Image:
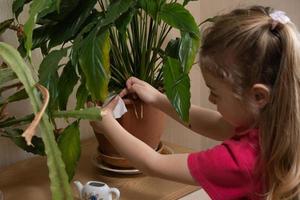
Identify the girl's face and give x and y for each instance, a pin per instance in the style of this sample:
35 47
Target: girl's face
228 105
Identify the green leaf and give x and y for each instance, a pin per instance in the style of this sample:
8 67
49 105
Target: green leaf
172 49
114 11
59 185
185 2
123 21
177 87
69 144
48 74
5 25
151 7
35 7
94 62
66 83
86 113
18 6
187 52
16 136
6 74
79 40
81 95
59 11
41 35
65 30
58 5
20 95
177 16
20 121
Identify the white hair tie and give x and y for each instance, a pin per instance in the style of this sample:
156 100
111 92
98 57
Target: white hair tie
280 16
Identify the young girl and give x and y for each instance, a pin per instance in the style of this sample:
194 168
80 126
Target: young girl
250 61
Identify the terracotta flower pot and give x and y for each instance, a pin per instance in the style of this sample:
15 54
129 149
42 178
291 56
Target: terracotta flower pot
143 121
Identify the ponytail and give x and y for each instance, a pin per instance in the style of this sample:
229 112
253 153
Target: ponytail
280 124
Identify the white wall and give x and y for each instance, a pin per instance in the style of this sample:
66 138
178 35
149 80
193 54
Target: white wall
201 9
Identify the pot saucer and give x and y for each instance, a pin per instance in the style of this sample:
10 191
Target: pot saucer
98 162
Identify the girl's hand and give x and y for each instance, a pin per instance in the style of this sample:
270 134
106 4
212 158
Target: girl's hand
103 125
142 90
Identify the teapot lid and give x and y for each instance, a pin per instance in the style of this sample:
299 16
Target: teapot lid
96 184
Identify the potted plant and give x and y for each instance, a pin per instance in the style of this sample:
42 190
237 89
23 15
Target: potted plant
137 40
103 43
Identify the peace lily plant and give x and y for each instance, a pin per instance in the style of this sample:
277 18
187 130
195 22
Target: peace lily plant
98 45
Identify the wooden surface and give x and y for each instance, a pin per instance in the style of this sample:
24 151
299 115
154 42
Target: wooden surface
28 179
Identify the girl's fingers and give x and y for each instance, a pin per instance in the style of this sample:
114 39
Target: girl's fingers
133 80
111 105
123 93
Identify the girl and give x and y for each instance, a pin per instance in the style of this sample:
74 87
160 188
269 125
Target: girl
250 61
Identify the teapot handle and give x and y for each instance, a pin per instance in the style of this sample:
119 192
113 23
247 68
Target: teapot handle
116 192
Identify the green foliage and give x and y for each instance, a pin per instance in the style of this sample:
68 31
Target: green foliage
175 84
98 49
5 25
94 62
16 136
69 144
59 184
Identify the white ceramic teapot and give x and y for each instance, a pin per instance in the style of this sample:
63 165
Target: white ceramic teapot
95 190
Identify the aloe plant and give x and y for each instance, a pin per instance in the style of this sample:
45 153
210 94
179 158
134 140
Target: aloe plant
98 45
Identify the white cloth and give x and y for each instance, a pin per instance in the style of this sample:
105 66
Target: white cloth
120 109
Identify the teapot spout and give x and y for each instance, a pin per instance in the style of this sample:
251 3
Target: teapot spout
79 187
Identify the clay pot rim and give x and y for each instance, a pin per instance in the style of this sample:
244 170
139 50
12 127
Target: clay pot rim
159 149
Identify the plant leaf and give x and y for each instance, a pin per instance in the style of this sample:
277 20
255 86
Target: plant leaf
20 121
59 185
66 83
59 11
5 25
177 16
177 87
94 62
151 7
81 95
185 2
6 74
123 21
19 95
69 144
16 136
187 52
35 7
18 5
48 75
65 30
115 10
172 49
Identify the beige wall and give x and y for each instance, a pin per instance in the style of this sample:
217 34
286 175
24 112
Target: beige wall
201 9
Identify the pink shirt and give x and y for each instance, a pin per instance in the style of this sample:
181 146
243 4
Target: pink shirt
228 171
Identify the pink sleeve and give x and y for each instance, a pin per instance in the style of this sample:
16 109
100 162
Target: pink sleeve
223 172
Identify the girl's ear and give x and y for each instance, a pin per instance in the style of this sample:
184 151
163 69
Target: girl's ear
260 94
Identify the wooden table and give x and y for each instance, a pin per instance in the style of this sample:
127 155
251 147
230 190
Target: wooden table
28 179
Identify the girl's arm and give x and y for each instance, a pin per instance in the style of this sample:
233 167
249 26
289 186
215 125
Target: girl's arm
173 167
202 121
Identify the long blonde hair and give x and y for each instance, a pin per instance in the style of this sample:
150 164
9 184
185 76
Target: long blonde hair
245 47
